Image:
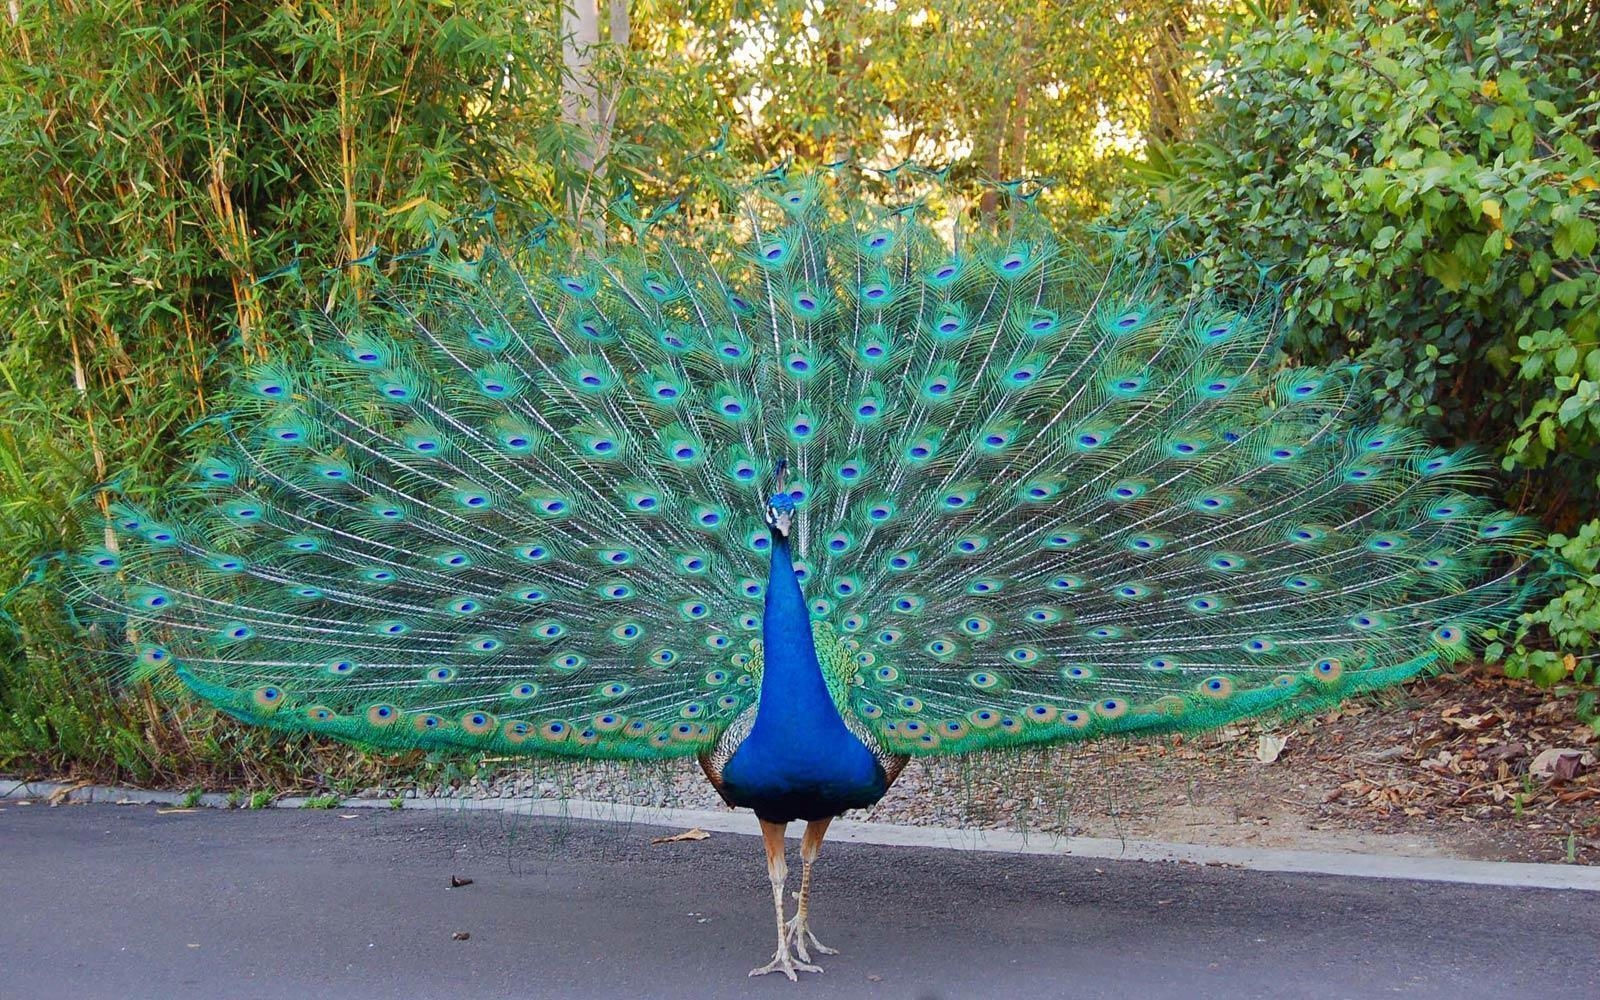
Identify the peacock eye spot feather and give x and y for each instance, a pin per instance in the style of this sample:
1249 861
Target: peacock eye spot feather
396 455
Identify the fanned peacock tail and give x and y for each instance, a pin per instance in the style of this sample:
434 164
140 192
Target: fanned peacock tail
515 504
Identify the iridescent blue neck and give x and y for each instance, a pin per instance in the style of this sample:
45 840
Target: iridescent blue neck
793 692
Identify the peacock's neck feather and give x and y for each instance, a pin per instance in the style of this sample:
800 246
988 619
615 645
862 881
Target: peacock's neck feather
794 690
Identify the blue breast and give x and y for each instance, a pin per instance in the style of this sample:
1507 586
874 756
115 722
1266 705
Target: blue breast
799 760
815 771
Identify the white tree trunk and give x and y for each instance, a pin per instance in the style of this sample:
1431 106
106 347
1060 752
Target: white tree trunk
621 29
580 99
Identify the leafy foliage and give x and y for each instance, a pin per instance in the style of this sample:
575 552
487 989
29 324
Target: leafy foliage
1431 170
993 88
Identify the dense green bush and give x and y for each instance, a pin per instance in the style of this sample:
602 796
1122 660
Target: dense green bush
1430 173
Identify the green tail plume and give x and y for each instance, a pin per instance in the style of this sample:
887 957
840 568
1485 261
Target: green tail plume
516 504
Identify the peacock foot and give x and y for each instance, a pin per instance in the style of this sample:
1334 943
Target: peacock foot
783 962
803 940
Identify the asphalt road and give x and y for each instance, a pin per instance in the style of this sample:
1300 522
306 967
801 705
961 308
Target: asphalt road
128 902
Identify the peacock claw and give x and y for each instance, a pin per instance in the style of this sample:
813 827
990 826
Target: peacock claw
784 963
803 940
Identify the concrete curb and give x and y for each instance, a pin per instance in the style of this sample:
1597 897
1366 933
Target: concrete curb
1506 873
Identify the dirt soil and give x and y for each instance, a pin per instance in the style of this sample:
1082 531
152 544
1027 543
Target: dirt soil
1466 765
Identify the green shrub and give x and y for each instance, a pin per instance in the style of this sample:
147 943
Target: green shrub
1431 169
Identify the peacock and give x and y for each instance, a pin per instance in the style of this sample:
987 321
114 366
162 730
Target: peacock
803 489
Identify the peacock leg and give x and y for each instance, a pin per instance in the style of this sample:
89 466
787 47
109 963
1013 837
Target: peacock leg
800 928
777 871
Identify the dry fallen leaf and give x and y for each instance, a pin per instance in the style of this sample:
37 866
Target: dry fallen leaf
694 834
457 881
64 793
1268 747
1564 763
460 936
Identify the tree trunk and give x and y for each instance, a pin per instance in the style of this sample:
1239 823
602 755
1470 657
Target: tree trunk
621 28
580 103
1018 146
620 35
1169 99
992 142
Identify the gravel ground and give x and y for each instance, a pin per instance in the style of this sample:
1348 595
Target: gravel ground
1150 790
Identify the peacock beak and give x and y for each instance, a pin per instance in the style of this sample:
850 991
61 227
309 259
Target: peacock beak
780 521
